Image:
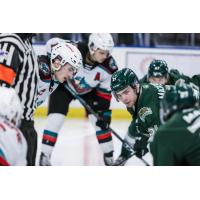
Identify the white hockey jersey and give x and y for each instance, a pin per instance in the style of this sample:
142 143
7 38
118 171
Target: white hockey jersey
45 88
46 83
91 76
13 146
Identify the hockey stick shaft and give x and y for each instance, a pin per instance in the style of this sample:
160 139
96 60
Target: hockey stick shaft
82 101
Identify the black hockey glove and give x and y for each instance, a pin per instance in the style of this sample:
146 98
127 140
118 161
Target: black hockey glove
140 146
105 119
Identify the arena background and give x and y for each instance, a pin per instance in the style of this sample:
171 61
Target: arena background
136 50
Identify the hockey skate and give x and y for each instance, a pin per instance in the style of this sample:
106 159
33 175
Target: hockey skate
108 161
44 160
120 161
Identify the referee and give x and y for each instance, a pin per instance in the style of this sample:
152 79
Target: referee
19 69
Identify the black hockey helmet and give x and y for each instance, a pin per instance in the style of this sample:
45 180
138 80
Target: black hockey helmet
158 68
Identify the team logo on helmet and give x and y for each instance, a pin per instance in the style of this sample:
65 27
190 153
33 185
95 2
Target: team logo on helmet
158 68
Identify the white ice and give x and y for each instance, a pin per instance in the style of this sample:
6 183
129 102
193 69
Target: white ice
77 144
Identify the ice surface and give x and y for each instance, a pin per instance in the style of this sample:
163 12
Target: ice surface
77 144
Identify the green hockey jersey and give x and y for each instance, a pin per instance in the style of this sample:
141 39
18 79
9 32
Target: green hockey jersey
146 112
177 142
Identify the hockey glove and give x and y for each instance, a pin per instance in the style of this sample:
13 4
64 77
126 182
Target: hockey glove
140 146
105 119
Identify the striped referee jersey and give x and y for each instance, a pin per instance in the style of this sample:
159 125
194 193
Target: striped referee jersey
19 69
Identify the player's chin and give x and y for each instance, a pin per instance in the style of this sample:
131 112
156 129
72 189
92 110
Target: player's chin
101 60
129 105
62 80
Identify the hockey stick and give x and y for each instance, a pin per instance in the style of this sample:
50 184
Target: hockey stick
99 118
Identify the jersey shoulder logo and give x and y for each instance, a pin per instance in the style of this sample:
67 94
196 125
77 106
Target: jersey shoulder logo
143 112
3 53
44 68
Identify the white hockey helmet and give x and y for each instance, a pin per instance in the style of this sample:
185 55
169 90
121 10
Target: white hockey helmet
51 43
10 105
103 41
64 53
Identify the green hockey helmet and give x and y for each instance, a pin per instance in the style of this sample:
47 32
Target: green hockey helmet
122 79
176 98
158 68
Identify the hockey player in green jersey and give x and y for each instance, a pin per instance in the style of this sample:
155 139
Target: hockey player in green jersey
142 101
159 73
177 142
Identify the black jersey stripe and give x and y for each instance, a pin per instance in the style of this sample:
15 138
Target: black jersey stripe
15 40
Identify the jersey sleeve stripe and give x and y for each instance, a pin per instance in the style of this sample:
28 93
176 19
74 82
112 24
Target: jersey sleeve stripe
49 138
7 74
104 136
3 161
104 95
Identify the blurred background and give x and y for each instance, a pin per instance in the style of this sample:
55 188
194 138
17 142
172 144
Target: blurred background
183 40
181 51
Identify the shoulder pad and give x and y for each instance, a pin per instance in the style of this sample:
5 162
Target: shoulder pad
145 86
156 89
174 71
110 65
44 67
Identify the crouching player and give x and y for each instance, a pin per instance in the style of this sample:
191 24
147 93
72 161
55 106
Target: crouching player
142 101
177 140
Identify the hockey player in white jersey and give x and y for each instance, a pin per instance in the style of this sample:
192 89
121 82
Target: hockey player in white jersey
13 146
92 83
65 61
